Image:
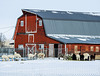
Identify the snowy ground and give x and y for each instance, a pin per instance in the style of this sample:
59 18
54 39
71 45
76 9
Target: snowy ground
50 67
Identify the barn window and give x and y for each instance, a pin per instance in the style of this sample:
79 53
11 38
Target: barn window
97 49
41 46
22 23
86 48
40 22
91 48
20 46
75 48
30 38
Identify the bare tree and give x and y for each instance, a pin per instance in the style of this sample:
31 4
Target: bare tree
2 40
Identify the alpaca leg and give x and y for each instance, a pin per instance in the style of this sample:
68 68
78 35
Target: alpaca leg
42 56
3 59
12 59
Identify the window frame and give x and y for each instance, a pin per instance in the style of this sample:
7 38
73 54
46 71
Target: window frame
20 46
75 48
92 48
97 49
21 23
42 46
40 22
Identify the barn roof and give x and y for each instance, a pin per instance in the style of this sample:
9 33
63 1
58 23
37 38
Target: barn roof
75 38
65 15
70 27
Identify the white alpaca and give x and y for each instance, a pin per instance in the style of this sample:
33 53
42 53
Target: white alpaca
11 56
5 58
31 55
86 56
41 55
77 56
16 55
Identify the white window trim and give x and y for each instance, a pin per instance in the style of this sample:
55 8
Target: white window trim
39 22
75 48
26 25
29 36
41 44
21 23
97 47
92 48
20 46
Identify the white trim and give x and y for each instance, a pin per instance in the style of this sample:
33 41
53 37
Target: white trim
26 45
21 23
16 30
31 32
36 23
26 25
20 46
30 35
41 47
40 21
25 22
29 44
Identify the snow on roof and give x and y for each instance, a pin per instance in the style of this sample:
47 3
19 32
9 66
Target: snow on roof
75 38
63 15
54 12
80 36
92 13
82 39
69 12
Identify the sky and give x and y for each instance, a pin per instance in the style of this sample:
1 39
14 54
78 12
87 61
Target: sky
10 10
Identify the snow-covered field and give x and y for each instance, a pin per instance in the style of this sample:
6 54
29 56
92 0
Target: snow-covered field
50 67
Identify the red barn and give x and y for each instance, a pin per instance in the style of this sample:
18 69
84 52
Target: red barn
54 32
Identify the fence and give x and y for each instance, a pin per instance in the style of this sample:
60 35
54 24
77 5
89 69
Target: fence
54 52
25 51
6 51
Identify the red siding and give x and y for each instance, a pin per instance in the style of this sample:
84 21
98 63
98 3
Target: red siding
83 48
31 23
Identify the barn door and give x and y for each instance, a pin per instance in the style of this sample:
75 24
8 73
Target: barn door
56 50
30 48
51 50
59 49
31 26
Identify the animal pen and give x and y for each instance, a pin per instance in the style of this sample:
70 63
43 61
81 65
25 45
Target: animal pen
6 51
25 51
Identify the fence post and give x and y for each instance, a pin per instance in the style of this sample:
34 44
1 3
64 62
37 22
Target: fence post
23 52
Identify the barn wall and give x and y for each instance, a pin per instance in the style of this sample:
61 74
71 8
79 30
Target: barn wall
83 48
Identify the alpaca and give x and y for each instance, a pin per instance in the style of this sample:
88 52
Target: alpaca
77 57
41 55
86 56
16 55
31 55
5 58
11 56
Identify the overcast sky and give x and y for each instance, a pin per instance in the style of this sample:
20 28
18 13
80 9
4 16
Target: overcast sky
10 10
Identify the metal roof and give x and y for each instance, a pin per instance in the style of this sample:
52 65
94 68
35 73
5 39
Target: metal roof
72 39
64 15
72 27
74 31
